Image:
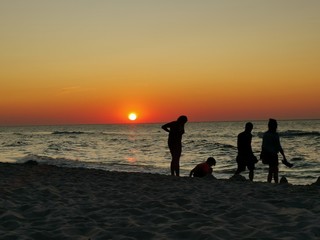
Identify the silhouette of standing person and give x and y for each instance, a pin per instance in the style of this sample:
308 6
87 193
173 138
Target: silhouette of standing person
175 130
270 148
245 157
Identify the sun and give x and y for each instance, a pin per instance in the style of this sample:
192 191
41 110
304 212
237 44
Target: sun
132 116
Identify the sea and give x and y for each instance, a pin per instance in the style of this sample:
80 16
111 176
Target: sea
143 147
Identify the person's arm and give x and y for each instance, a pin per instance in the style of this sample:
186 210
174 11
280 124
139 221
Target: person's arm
166 127
280 149
238 142
285 161
250 148
283 155
191 173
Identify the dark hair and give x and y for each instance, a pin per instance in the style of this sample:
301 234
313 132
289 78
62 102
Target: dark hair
249 125
272 124
183 119
211 161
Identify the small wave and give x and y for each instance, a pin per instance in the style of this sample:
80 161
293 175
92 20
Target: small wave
18 134
16 144
295 133
67 132
54 147
224 145
65 162
61 162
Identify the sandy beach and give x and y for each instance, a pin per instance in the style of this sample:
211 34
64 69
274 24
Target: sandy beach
48 202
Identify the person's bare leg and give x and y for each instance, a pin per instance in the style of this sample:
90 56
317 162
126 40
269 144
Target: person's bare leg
177 171
172 168
251 175
175 165
175 168
276 175
270 174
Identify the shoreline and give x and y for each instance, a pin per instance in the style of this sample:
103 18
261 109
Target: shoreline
45 201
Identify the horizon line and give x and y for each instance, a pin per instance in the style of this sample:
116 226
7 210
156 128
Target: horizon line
145 123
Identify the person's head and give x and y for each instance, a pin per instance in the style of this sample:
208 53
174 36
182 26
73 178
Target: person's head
211 161
272 125
249 127
182 119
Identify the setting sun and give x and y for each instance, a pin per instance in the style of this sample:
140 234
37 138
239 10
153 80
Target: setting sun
228 74
132 116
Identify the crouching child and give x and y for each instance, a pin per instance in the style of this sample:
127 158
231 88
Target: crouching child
203 169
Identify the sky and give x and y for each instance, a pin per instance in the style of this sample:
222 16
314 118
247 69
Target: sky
94 62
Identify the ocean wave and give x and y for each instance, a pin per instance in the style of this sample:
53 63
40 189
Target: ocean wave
294 133
61 162
16 144
224 145
18 134
68 132
297 133
74 163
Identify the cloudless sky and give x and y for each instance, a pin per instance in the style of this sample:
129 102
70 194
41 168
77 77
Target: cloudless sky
94 61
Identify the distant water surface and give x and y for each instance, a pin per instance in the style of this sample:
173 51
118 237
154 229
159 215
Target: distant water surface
143 147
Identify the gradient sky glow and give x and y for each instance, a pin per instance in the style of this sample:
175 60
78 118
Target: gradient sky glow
81 61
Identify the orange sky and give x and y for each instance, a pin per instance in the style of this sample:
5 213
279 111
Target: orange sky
70 62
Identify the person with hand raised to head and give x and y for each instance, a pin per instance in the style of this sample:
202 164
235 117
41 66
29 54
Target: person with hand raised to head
175 130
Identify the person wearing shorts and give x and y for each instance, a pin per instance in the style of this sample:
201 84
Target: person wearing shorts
270 148
245 158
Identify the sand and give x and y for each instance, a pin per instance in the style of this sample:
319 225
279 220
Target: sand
48 202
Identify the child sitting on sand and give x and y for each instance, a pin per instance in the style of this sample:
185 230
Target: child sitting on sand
203 169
